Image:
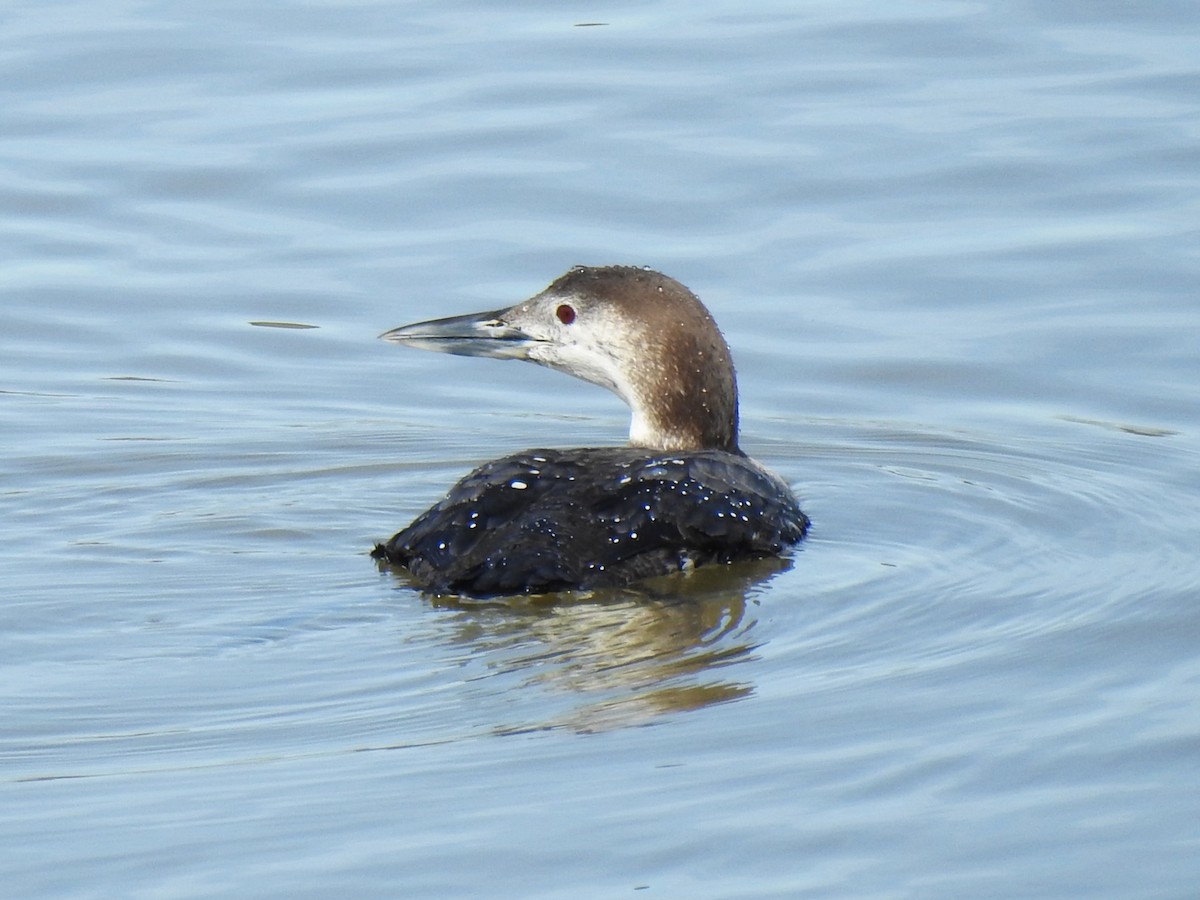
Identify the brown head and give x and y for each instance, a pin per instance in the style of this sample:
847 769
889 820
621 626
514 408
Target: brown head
638 333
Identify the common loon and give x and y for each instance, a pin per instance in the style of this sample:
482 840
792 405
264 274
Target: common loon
680 494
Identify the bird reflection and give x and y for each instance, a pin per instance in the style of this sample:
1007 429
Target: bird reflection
619 657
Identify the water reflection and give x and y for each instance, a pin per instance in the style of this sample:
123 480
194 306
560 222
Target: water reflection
634 654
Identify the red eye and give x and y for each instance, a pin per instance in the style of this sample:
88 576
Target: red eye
566 314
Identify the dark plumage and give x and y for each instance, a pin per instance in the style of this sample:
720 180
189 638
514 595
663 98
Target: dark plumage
552 520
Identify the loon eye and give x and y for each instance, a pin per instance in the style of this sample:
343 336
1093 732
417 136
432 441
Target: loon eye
566 314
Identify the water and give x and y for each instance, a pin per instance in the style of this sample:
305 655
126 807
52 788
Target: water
953 246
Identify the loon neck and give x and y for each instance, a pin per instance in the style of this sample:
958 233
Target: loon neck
651 435
682 392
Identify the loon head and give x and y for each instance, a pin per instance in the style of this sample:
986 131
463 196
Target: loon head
638 333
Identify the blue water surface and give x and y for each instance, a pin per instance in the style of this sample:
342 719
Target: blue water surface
954 247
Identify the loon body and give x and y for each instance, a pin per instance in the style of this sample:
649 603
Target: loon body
681 494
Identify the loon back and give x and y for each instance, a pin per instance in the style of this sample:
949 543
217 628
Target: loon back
551 520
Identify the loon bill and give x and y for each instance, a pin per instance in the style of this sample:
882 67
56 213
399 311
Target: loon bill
680 494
